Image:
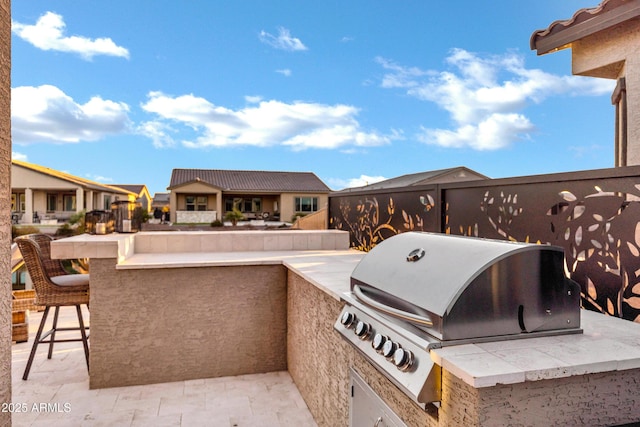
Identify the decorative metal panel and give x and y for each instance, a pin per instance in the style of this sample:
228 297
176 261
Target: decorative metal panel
373 218
594 217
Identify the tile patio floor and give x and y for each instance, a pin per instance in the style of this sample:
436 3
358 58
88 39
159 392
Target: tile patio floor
260 400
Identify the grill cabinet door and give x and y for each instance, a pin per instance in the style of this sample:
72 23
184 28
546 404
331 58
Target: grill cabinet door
367 409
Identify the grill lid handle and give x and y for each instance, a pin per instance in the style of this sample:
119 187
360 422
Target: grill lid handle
416 255
423 320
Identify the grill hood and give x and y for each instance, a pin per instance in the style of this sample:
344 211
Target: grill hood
464 288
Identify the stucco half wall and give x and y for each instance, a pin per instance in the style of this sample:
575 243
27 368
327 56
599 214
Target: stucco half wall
228 321
5 207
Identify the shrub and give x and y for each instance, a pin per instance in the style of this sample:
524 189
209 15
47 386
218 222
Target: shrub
217 223
22 231
74 226
65 230
234 216
141 215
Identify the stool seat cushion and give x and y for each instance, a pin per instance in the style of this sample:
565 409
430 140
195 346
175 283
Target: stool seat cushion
71 280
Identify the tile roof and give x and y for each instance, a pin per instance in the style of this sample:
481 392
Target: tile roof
161 197
255 181
134 188
420 178
93 185
561 33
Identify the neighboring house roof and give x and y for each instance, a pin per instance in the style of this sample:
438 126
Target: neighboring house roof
560 34
250 181
160 199
133 188
456 174
91 185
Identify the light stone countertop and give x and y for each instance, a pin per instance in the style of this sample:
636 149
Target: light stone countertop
607 344
328 270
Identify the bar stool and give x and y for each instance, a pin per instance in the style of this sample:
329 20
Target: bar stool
54 288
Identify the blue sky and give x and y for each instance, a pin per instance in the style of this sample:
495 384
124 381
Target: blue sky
122 92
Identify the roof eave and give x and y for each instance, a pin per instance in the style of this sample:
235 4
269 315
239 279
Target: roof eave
560 34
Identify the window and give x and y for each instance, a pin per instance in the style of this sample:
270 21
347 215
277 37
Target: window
18 279
52 202
17 202
306 204
196 203
245 204
256 204
69 202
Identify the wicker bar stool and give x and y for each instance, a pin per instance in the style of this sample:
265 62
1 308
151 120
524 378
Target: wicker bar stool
54 288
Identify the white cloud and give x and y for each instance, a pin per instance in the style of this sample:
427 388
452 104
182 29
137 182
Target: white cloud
99 178
299 125
285 72
18 156
158 132
283 40
484 96
47 114
253 99
48 34
364 180
361 181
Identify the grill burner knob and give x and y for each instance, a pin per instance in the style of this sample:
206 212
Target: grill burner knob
362 330
347 319
389 348
403 359
378 342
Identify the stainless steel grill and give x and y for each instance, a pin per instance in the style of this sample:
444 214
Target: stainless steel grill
419 291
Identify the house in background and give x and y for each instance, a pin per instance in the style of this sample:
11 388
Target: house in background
144 197
204 195
440 176
604 43
44 195
160 200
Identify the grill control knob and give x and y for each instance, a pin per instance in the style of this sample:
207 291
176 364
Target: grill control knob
403 359
378 342
362 330
347 319
389 348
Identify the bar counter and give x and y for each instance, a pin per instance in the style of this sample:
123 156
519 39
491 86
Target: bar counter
168 306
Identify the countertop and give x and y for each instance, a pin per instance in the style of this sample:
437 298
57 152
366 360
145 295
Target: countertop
607 344
328 270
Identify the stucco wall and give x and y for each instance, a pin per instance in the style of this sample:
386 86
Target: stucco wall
287 203
612 54
25 178
228 320
604 399
5 207
319 361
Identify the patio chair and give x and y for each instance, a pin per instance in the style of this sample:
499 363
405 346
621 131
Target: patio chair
54 288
